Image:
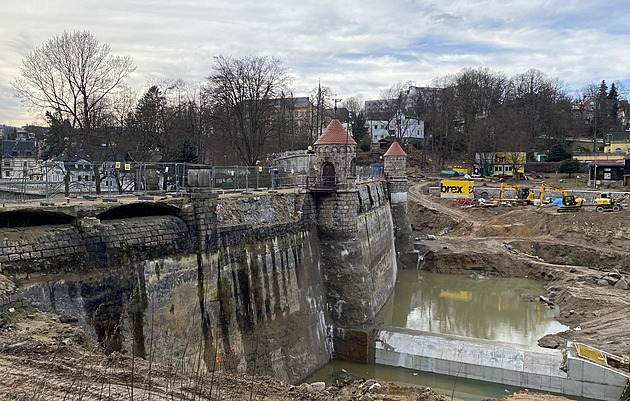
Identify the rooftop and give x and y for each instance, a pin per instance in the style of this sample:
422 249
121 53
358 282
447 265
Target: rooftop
335 134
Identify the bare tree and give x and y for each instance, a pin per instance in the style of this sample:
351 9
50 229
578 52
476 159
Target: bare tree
243 92
321 99
70 76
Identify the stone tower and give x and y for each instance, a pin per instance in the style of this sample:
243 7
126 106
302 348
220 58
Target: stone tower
335 157
335 176
395 169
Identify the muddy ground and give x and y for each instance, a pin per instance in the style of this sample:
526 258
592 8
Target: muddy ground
581 257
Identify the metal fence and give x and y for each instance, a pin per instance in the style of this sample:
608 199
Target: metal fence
144 178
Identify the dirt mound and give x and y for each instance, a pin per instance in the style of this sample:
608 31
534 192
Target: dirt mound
495 228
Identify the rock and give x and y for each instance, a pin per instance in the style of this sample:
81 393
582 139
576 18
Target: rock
611 280
548 342
321 386
614 275
573 270
621 285
602 282
545 300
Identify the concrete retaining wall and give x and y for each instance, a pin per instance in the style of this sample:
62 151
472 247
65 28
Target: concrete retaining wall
511 364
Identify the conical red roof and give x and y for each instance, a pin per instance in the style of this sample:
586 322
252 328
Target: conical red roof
395 150
335 134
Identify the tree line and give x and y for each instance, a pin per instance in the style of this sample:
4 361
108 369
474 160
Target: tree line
245 109
242 112
480 111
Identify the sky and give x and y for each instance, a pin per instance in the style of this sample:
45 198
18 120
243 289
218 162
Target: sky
354 47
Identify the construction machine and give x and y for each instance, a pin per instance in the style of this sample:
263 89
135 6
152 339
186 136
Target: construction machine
524 196
569 202
605 203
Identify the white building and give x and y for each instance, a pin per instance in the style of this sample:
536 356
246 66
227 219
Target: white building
378 130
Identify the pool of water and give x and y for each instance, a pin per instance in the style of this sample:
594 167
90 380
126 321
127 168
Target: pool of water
464 389
493 309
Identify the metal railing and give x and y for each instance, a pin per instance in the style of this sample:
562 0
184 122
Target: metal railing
144 178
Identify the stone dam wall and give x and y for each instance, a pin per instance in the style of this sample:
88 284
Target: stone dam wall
238 283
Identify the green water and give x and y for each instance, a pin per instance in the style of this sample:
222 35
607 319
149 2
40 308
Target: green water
463 389
493 309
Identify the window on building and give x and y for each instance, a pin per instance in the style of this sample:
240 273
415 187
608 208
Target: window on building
7 173
7 163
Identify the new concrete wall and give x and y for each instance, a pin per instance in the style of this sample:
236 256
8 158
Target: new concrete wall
511 364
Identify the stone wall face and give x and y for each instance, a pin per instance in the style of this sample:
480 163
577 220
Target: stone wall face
26 253
360 270
233 296
240 283
395 166
337 213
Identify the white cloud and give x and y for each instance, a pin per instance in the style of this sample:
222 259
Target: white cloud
353 46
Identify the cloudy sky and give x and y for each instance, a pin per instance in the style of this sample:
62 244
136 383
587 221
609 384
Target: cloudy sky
354 47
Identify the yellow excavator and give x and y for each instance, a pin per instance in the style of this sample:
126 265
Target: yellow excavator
524 196
605 203
569 202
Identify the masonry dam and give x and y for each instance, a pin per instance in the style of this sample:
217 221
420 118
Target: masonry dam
273 283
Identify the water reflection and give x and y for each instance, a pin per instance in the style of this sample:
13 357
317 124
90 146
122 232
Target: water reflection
493 309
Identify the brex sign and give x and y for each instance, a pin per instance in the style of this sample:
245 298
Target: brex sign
457 189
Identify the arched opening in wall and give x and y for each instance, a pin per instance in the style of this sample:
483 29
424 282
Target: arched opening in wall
138 210
353 167
31 218
328 175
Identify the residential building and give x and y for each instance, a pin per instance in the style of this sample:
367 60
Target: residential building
19 160
617 140
405 127
378 130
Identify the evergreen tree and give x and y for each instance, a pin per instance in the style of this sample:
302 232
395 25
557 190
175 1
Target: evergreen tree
557 152
613 98
569 166
189 153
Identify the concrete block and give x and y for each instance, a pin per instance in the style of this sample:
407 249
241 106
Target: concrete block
555 384
593 390
613 393
494 375
428 364
442 366
433 348
572 387
593 372
614 378
575 368
511 377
